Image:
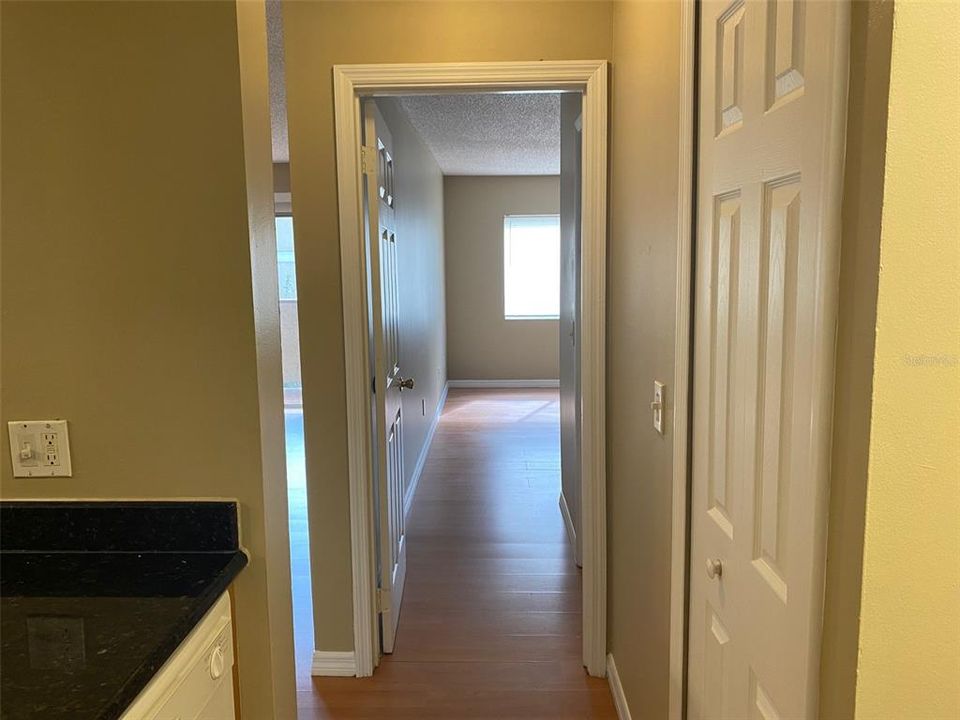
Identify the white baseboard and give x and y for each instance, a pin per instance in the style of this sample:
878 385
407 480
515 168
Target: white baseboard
568 520
616 689
424 451
504 383
333 664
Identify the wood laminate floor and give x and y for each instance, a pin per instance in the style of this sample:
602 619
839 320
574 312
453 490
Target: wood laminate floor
490 625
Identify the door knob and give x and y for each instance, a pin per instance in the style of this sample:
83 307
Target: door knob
714 568
405 384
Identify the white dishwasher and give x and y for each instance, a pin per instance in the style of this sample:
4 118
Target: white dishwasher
196 683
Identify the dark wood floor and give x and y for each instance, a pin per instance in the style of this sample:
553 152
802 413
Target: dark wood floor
490 625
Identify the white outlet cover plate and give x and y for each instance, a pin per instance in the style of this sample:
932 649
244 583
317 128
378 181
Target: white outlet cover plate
48 443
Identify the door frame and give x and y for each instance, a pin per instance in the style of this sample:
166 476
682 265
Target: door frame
350 83
681 404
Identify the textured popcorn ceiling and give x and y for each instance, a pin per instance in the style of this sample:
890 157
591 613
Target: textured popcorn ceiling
278 96
469 134
489 134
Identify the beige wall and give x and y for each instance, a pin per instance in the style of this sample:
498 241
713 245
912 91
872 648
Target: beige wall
123 173
909 646
478 336
641 316
317 35
423 328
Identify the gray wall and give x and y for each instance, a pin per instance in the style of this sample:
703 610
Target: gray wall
481 345
423 334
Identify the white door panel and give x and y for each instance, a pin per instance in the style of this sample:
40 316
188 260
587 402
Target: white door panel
772 100
385 325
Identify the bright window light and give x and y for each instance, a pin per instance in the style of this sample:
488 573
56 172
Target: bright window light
531 267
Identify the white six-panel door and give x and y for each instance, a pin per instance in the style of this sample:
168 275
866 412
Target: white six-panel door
772 106
385 322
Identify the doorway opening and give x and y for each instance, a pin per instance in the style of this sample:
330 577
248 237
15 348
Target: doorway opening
380 336
472 248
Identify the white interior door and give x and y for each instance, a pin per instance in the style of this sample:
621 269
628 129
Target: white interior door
772 106
570 146
387 381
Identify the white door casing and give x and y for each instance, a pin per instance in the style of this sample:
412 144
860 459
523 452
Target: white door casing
385 314
350 84
772 108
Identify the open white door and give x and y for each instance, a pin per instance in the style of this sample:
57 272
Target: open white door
772 109
387 382
570 149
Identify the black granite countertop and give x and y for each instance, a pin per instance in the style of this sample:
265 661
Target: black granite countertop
95 597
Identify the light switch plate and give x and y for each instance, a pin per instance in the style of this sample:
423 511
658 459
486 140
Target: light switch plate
657 406
40 448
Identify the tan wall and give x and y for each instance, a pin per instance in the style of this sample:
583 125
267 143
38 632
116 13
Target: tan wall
871 24
641 317
477 333
423 328
123 174
909 654
318 35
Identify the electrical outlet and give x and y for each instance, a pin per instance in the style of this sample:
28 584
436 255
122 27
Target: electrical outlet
40 448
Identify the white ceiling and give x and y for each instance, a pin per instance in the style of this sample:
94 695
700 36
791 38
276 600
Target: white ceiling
489 134
278 97
468 134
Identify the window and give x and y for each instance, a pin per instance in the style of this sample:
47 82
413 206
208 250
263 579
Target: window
531 267
286 267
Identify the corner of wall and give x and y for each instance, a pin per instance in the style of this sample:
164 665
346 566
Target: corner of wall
869 78
252 48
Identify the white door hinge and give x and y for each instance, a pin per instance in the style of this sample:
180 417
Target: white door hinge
383 599
368 160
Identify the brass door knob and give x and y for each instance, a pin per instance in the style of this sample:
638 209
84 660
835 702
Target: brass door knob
405 384
714 568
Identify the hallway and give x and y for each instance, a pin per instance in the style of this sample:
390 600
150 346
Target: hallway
490 624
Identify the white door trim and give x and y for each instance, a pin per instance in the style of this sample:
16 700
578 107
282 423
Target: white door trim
679 534
590 77
333 664
616 690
